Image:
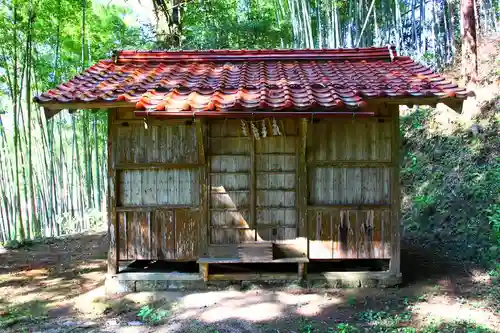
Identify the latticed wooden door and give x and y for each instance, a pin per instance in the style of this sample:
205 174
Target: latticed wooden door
252 182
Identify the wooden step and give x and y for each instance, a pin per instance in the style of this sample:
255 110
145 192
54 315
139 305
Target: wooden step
255 251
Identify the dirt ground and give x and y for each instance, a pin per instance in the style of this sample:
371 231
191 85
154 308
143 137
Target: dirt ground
57 286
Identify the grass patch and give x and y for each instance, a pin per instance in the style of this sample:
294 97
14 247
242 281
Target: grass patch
450 185
32 311
153 314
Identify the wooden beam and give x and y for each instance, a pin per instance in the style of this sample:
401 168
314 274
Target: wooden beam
350 206
155 166
158 276
253 187
351 164
252 276
113 232
239 261
57 106
201 138
149 208
302 193
394 264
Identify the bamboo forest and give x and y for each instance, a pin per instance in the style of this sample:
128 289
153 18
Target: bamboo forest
53 173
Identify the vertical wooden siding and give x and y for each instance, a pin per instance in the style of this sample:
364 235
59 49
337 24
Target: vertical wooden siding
160 234
350 140
349 185
159 187
159 143
275 168
158 195
349 233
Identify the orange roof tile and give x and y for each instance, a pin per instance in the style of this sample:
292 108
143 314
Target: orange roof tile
244 80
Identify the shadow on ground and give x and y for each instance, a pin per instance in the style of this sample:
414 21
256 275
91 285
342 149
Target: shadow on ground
57 287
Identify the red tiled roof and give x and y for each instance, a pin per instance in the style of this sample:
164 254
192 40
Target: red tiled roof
269 80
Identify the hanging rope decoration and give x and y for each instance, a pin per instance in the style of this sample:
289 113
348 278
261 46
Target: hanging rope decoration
251 128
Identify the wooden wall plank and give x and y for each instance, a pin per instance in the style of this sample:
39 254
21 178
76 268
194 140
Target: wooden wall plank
320 235
281 181
276 234
277 216
135 188
122 232
238 145
273 198
228 219
231 236
350 140
343 235
230 182
377 236
387 233
229 199
352 234
152 144
144 247
163 239
186 233
161 142
159 187
349 185
148 187
123 151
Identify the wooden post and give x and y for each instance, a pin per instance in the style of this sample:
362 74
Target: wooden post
253 188
113 252
302 271
201 129
302 181
204 271
394 264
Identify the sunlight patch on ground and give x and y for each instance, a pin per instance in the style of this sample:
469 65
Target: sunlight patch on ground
243 310
447 309
480 277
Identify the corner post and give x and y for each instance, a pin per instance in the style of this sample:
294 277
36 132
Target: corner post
394 264
201 138
113 232
302 181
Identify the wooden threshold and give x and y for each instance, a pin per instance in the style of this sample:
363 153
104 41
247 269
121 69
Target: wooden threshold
239 261
158 276
253 277
352 275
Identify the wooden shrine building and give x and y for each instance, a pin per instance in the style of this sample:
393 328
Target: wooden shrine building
229 157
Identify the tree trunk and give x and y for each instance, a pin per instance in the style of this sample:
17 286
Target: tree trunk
34 220
469 42
20 227
168 22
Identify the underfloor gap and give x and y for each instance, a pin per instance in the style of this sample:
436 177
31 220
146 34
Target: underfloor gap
162 266
349 265
252 268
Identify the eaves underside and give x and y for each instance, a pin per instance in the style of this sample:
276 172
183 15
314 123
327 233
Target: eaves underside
53 108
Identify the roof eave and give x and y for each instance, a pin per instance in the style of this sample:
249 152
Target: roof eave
53 108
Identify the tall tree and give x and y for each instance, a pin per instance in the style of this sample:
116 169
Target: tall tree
469 41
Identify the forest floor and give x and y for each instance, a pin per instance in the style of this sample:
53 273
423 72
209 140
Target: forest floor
57 286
